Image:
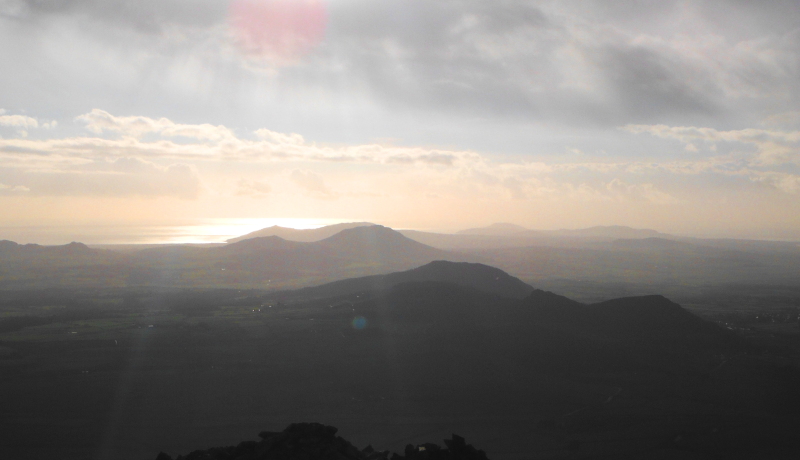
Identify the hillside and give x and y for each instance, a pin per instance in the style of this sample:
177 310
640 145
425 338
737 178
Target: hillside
69 265
304 235
273 262
391 366
315 441
475 276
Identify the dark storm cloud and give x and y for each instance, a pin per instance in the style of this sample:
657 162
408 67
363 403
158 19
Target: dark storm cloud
646 85
540 62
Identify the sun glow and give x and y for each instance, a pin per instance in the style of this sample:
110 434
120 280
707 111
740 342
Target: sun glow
202 231
209 230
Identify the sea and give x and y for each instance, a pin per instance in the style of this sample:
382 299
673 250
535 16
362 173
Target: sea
200 231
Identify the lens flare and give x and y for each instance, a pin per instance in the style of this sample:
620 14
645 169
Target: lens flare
279 31
359 322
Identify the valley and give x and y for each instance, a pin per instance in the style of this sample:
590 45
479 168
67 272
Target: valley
122 365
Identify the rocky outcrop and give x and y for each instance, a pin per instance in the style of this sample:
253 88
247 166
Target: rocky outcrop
314 441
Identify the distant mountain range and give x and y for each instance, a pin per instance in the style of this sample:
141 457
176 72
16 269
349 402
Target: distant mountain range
262 262
498 229
489 236
306 235
595 255
512 235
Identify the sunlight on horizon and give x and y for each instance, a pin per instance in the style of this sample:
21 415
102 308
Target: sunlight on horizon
202 231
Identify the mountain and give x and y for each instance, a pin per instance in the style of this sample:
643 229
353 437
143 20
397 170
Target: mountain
373 245
475 276
11 248
268 262
305 235
319 442
465 295
380 244
500 236
498 229
600 232
396 366
73 264
651 319
647 315
273 262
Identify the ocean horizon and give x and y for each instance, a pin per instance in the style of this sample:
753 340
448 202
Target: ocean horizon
199 232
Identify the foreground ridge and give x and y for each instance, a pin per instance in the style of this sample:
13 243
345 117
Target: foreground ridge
314 441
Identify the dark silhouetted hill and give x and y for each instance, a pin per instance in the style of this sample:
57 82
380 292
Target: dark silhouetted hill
652 314
652 318
475 276
314 441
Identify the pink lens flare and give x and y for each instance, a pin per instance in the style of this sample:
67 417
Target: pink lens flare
281 31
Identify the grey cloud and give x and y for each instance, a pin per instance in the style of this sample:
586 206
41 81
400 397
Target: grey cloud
463 56
647 85
516 58
604 63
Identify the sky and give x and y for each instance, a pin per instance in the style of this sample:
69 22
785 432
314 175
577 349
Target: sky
680 116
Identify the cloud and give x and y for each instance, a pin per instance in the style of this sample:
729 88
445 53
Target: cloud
783 120
313 183
567 63
13 9
218 143
788 183
645 191
140 158
145 16
99 121
120 177
255 189
773 147
548 61
13 189
280 138
20 122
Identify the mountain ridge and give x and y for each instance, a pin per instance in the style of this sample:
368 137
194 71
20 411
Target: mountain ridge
473 275
301 235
